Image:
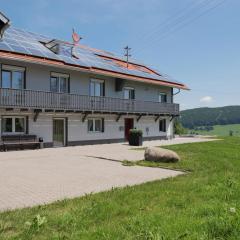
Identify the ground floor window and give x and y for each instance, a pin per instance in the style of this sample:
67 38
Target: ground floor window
162 125
96 125
13 124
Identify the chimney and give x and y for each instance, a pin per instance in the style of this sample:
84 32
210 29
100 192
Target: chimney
4 24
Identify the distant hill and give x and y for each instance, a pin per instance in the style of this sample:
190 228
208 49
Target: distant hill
192 118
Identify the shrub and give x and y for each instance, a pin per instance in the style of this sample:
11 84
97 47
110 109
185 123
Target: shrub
135 137
135 133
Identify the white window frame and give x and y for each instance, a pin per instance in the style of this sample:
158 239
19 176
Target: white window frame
94 125
94 80
159 97
12 69
59 76
14 125
131 89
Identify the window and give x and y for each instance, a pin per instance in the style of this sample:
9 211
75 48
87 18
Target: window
162 97
162 125
12 77
13 124
97 88
59 83
96 125
129 93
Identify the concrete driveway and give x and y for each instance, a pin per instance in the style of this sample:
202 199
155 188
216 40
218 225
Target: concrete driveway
29 178
34 177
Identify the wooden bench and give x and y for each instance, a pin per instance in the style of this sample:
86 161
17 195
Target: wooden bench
19 142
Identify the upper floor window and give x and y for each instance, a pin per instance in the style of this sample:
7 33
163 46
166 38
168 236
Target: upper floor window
162 97
129 93
13 124
97 88
12 77
162 125
59 83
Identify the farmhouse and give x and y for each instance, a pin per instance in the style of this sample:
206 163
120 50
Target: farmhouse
69 94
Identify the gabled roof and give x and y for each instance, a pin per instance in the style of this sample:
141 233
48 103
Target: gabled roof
21 44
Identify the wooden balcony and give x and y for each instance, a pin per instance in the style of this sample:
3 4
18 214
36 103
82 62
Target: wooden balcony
29 99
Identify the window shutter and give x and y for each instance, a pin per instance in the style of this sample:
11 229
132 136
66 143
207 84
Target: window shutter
1 125
27 125
133 93
69 85
103 89
24 80
103 125
66 131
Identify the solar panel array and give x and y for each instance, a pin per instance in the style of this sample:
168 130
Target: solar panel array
21 41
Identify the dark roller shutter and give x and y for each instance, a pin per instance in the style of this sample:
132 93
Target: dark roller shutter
27 125
66 130
103 125
103 89
69 85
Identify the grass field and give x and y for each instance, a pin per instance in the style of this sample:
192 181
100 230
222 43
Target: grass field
221 130
203 204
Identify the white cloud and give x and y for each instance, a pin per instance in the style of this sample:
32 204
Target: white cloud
206 99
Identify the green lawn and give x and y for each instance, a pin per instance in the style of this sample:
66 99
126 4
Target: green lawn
221 130
203 204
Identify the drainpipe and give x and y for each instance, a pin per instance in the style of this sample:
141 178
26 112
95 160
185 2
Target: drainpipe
174 94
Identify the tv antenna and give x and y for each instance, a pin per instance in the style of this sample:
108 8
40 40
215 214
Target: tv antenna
75 37
127 53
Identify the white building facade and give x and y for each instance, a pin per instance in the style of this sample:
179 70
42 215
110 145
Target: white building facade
69 104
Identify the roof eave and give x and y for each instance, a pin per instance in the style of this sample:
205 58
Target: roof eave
62 64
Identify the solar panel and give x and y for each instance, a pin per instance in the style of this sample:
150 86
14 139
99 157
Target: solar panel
5 47
36 52
21 41
19 49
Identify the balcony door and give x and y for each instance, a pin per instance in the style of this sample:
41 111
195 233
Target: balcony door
59 132
129 124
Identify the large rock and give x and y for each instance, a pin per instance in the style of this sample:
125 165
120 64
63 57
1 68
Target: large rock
160 155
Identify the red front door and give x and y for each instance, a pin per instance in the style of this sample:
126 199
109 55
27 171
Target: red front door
129 124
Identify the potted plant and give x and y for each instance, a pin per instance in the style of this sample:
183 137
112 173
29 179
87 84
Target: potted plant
135 137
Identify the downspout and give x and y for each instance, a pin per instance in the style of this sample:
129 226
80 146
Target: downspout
173 120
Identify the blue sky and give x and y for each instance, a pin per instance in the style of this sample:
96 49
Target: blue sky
204 54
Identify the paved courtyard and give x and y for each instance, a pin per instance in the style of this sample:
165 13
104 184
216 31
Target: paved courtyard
121 151
34 177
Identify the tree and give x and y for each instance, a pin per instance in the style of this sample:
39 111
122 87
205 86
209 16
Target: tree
179 129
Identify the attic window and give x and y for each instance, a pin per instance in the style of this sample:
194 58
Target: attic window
4 24
53 45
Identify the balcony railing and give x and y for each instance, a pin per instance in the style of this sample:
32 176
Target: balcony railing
12 98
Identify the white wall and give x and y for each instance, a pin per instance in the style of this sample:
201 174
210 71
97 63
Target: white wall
38 78
77 130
